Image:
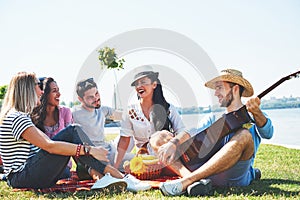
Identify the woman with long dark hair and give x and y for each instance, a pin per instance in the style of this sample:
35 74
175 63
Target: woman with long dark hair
49 116
151 116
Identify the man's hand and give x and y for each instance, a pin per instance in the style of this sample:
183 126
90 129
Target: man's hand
253 107
167 153
99 153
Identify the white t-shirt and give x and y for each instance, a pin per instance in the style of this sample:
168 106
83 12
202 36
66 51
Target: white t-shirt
135 124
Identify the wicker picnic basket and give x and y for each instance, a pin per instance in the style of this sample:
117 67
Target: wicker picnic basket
144 166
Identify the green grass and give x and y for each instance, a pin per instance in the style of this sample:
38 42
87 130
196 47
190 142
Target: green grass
280 180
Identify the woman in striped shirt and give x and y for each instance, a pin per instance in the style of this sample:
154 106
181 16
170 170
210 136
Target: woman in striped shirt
29 157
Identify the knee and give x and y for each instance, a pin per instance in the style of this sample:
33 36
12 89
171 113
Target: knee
159 138
241 138
75 127
245 141
244 134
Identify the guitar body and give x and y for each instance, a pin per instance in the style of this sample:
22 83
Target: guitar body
203 145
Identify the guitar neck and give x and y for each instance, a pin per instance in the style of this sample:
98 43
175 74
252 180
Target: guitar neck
261 95
296 74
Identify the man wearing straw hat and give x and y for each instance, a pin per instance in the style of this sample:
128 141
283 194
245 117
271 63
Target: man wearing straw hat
232 164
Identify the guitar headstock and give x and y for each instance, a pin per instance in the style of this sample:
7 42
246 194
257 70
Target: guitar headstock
293 75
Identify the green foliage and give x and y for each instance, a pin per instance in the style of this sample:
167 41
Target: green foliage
3 89
108 58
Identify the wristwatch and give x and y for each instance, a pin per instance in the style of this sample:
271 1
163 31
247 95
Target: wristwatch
87 149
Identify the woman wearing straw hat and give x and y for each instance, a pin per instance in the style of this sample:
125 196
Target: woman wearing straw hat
151 116
232 165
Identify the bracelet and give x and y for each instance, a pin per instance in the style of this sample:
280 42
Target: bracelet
78 151
87 149
174 141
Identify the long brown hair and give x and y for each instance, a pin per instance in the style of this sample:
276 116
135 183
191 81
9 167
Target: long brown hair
21 95
39 113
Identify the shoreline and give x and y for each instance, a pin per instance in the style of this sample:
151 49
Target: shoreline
116 130
290 146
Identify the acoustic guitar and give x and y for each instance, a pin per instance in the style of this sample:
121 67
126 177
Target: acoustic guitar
203 145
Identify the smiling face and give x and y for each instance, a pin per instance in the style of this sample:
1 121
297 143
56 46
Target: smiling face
223 91
38 91
145 87
91 99
54 94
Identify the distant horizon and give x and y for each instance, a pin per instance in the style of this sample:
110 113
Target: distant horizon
244 100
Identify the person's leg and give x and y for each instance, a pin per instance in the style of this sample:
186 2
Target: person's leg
74 134
239 148
41 171
78 136
44 169
112 152
160 138
237 175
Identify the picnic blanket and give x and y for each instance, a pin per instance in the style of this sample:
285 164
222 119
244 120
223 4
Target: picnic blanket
74 184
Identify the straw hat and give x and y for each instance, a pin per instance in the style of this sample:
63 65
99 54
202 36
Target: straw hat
233 76
142 72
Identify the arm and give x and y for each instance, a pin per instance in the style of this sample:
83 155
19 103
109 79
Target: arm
68 118
176 120
121 150
167 152
253 107
125 134
39 139
117 115
112 113
264 124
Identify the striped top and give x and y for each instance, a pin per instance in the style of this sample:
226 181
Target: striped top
14 149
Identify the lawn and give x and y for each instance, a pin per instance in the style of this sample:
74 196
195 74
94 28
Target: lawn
280 180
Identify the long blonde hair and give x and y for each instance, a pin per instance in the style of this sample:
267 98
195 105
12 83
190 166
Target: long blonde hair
21 95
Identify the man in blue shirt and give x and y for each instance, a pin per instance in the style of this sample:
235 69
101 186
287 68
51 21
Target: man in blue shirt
232 164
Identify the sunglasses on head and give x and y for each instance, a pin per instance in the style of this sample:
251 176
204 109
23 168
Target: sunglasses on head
86 82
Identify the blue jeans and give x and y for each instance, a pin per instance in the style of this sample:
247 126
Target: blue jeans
43 169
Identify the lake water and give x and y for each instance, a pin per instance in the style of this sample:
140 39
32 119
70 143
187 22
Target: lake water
286 124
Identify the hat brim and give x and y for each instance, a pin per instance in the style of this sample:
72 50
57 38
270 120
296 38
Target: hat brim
248 89
142 76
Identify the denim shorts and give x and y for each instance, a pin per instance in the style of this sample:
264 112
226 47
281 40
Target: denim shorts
238 175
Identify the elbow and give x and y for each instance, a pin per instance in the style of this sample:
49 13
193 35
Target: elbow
268 134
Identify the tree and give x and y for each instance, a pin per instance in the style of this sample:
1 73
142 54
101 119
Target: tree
108 57
3 89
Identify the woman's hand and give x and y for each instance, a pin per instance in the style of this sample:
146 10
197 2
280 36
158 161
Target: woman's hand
166 153
99 153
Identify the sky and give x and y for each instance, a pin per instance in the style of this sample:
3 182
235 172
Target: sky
55 38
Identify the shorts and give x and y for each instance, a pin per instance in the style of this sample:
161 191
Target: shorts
238 175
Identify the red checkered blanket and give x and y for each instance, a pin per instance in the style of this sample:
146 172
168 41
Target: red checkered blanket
73 184
64 185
